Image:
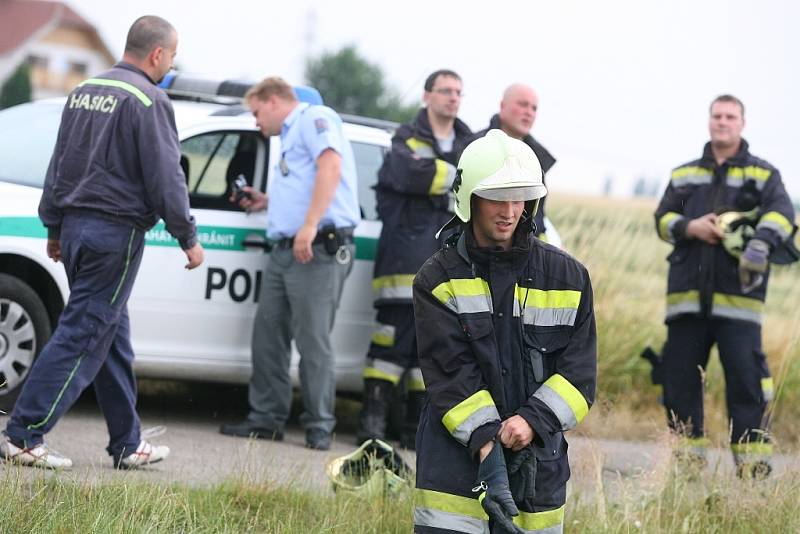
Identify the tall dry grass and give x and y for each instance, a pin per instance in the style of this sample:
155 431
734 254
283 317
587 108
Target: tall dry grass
617 241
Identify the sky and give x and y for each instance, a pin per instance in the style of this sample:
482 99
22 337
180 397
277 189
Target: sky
624 85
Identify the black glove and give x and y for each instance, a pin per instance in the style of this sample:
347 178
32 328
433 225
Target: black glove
496 498
522 474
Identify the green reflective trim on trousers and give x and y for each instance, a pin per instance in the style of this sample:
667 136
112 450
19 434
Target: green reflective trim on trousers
125 86
58 398
125 270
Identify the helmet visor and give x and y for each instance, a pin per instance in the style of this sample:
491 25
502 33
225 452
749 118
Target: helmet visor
521 193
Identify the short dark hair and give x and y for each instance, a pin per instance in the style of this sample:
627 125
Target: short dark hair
146 33
727 98
431 79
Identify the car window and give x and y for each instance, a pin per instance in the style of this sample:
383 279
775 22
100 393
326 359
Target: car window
27 137
369 159
213 161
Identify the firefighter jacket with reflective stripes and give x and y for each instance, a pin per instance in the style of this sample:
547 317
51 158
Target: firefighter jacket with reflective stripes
500 333
118 154
546 160
703 278
413 198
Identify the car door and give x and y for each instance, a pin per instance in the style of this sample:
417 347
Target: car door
355 318
198 324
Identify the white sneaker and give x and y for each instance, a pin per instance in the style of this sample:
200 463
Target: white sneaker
146 453
39 456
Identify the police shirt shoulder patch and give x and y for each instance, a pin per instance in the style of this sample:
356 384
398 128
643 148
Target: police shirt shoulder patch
321 125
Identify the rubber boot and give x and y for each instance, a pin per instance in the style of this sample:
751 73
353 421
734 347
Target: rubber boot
372 419
416 400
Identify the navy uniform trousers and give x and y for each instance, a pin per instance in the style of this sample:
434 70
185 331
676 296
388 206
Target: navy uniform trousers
689 341
91 344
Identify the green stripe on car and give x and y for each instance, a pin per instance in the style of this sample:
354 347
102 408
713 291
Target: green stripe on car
211 237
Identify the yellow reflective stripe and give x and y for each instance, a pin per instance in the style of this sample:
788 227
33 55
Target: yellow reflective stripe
548 298
135 91
736 301
777 219
393 286
462 411
540 520
683 296
664 223
570 395
392 280
543 237
465 295
461 287
384 335
752 448
371 372
440 185
446 502
382 339
756 173
683 172
768 388
420 148
690 175
416 384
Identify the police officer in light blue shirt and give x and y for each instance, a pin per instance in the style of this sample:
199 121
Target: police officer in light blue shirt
312 210
306 133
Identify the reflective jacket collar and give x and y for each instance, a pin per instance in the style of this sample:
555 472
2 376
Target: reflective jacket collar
740 158
517 255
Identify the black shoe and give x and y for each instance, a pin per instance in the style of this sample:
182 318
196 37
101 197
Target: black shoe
246 429
318 439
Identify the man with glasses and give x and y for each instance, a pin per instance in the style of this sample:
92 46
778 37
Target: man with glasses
414 200
517 114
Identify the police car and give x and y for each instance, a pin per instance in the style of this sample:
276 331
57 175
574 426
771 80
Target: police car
186 325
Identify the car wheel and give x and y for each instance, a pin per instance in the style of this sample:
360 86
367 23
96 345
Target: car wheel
24 329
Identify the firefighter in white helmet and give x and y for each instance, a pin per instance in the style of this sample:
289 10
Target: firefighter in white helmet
507 347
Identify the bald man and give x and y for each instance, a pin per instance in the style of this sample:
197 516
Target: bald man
516 117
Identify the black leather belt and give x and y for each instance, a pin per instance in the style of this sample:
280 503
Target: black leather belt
343 235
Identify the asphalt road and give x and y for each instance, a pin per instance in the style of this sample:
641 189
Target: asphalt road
200 455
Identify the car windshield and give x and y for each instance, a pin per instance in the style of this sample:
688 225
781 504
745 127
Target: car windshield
27 136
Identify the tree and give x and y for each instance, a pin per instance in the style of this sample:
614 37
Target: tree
17 88
350 83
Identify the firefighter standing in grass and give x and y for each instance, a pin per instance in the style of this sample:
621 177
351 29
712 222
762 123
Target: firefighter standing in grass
414 201
715 297
508 351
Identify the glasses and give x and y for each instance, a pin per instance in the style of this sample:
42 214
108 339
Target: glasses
448 91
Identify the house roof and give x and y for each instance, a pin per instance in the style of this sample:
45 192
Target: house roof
20 19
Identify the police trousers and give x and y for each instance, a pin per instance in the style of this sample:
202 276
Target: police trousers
298 302
91 344
689 341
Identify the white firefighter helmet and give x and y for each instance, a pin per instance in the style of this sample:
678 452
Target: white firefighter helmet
498 167
372 470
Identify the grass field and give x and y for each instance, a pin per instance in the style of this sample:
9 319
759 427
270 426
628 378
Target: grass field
657 502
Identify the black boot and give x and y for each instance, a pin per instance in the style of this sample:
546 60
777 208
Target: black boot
416 399
372 420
